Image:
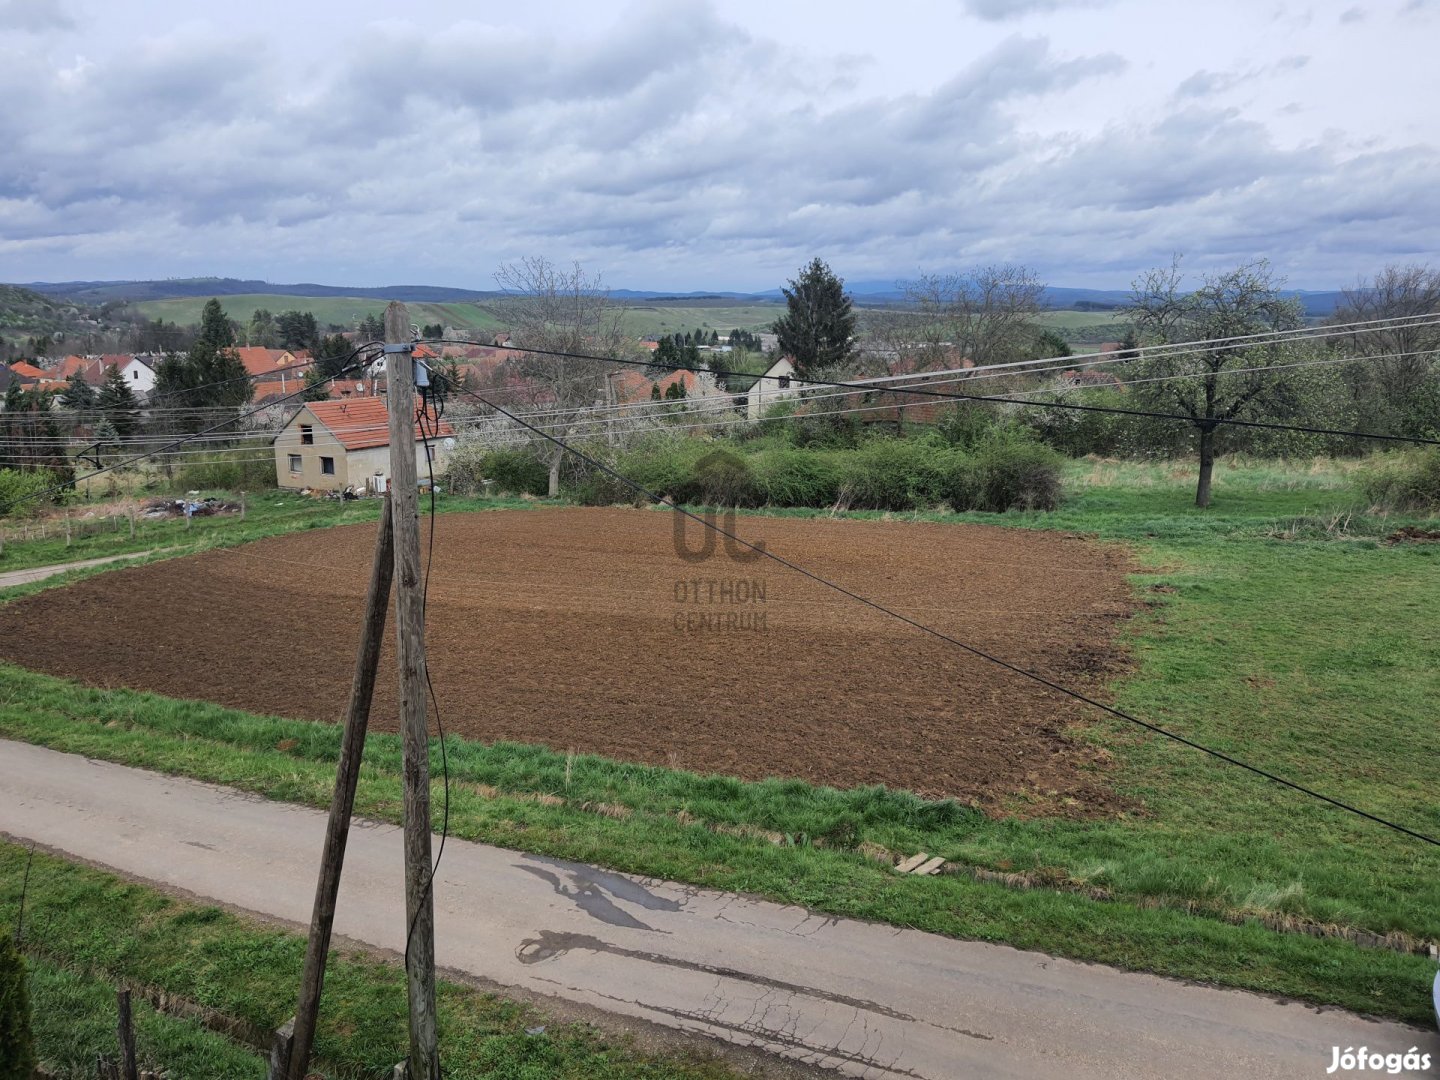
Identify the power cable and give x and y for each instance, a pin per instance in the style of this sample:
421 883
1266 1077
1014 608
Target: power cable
973 650
1002 399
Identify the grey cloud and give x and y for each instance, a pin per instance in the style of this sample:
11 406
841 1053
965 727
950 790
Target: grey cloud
1206 83
1352 15
34 16
672 143
1001 10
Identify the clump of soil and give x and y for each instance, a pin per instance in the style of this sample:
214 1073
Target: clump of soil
1411 534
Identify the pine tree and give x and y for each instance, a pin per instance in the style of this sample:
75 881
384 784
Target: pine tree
116 402
818 326
78 394
215 328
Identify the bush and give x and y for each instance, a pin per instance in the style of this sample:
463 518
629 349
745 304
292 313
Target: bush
786 477
1409 480
722 478
893 474
516 472
245 469
1004 472
20 491
17 1041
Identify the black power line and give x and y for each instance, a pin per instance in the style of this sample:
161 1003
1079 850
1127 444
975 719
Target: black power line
195 435
1000 399
982 654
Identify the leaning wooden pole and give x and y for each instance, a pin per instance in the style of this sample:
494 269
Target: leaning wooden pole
424 1062
342 803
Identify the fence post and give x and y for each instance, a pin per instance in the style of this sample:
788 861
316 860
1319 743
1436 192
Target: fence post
126 1030
67 528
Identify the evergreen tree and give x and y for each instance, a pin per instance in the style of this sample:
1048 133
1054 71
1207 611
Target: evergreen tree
215 327
297 329
262 329
116 402
1050 345
78 394
317 386
332 355
818 326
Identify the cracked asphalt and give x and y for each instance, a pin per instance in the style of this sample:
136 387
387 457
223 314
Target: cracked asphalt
860 999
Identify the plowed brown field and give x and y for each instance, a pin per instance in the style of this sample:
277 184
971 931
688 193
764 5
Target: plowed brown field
582 629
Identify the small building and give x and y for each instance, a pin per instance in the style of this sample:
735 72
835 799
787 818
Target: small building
137 373
334 445
776 384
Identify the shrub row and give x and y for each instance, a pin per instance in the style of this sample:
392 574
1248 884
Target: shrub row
1405 481
1000 472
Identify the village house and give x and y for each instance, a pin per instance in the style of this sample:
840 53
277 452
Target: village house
334 445
137 373
777 383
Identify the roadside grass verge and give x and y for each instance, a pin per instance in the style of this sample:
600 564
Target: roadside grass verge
1278 627
87 931
666 829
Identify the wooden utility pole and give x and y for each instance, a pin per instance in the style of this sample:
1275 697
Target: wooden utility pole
347 775
424 1062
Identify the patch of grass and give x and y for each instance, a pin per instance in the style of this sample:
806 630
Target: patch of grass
88 931
1285 633
269 513
75 1020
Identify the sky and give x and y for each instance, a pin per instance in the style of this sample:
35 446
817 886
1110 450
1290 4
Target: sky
715 144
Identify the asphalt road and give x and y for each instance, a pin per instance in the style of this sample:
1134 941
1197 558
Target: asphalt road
862 999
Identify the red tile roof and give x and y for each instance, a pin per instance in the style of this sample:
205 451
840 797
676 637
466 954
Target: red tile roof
29 371
362 423
261 361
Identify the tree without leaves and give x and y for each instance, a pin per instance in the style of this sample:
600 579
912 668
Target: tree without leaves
986 316
1394 393
1239 302
818 328
559 311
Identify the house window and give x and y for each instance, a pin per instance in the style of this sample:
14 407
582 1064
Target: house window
429 452
294 462
327 466
783 382
307 435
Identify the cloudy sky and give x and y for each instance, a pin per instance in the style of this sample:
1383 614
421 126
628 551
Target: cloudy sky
692 144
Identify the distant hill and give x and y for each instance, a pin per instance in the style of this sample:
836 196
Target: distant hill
1318 303
97 292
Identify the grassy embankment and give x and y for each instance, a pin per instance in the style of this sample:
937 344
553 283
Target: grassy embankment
87 933
1278 627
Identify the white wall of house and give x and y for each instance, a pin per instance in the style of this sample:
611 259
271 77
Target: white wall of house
140 376
325 465
771 387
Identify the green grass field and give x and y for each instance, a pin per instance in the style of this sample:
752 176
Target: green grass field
641 319
87 932
343 311
1278 627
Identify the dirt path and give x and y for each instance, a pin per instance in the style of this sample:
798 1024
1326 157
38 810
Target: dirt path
583 629
40 573
865 1000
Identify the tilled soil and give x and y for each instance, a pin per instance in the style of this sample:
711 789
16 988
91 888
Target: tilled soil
582 629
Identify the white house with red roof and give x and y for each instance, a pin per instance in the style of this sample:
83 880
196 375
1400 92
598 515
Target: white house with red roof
334 445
